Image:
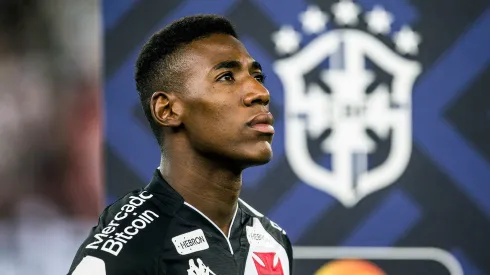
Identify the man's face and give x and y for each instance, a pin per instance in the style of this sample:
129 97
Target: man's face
226 104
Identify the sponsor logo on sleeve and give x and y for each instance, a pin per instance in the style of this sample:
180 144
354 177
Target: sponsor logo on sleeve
112 240
190 242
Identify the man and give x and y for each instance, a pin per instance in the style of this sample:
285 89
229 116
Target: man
206 103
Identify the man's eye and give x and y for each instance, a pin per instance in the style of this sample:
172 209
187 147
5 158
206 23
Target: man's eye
260 78
226 77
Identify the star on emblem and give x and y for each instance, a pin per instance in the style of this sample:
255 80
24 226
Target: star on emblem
313 20
286 39
346 12
407 41
379 20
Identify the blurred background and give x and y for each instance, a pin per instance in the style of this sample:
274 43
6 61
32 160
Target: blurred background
51 169
381 155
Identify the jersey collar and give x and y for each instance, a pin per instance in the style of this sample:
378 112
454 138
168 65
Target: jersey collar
169 199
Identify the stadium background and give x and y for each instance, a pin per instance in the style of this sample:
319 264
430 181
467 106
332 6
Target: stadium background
442 200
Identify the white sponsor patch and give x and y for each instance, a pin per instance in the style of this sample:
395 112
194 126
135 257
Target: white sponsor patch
190 242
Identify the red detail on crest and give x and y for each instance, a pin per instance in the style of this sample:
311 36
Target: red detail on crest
269 268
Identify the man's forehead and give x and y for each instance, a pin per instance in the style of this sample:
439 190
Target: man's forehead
217 48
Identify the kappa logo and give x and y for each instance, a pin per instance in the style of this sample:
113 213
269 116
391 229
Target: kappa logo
358 95
267 263
199 269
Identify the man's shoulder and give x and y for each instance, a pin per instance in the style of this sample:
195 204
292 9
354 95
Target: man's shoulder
127 238
130 207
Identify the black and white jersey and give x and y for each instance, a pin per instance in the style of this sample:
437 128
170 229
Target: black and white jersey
153 231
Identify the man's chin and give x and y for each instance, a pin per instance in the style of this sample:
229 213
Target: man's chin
260 159
249 156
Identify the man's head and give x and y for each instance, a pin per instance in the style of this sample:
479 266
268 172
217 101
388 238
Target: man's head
200 88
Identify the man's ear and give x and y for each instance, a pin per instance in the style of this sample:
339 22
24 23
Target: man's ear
166 109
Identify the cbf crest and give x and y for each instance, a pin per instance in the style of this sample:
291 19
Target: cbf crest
348 98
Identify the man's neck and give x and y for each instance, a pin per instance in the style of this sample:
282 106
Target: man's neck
205 185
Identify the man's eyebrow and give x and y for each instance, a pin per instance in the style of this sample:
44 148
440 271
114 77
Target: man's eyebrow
256 66
233 64
228 64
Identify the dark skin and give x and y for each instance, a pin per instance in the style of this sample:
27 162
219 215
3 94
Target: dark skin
207 139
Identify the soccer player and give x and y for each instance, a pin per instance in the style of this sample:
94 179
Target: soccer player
205 100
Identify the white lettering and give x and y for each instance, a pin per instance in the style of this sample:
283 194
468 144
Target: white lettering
114 243
191 242
128 208
99 237
145 197
133 199
135 222
120 234
121 240
118 218
108 230
131 233
112 249
112 223
146 214
143 218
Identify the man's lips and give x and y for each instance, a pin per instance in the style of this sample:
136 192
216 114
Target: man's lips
262 122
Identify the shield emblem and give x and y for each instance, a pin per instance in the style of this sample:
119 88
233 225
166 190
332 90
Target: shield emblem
349 104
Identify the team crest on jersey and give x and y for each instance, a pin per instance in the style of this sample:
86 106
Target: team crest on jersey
266 256
348 93
267 263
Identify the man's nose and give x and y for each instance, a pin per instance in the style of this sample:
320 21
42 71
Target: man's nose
256 94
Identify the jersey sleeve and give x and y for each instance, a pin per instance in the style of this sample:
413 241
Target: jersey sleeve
133 260
289 251
90 265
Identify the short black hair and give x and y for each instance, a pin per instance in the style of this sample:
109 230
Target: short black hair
157 67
